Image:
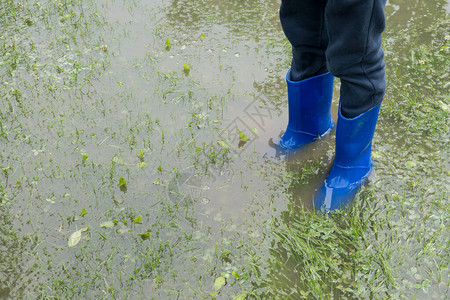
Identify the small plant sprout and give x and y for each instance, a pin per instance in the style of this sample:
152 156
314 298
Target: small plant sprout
83 212
242 136
186 69
122 184
167 44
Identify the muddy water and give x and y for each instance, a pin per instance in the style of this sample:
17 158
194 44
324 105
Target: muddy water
142 98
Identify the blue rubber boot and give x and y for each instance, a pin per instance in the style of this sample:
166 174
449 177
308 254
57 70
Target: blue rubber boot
352 163
309 104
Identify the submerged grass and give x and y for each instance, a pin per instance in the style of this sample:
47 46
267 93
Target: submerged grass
324 257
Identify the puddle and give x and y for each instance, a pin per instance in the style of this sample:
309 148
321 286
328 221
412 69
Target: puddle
156 117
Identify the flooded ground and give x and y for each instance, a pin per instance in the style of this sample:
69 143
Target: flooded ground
123 173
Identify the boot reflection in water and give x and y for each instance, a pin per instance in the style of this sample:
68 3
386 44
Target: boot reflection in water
342 39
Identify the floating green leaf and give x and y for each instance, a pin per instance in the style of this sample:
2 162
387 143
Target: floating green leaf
186 67
145 235
75 237
137 220
426 283
219 283
107 224
417 286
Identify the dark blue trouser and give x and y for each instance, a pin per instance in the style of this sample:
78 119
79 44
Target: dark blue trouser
342 37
